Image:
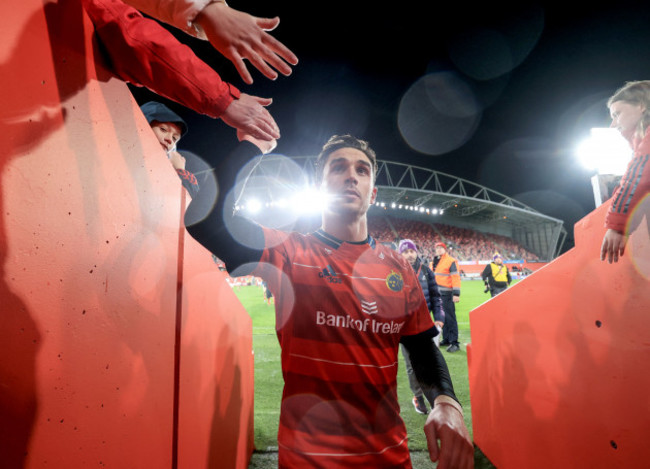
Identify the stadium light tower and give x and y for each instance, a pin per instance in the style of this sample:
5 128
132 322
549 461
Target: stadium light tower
607 153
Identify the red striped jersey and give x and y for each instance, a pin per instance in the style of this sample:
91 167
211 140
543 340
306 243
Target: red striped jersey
632 192
341 309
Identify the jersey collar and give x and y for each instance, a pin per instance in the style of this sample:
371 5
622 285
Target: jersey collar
336 243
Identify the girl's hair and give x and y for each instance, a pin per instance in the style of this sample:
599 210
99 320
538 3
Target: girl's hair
635 92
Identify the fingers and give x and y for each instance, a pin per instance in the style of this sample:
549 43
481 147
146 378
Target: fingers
264 101
240 66
456 454
280 49
249 115
432 442
268 24
264 128
261 64
270 55
621 246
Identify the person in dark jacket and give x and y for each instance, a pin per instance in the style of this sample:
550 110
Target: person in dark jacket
408 249
496 276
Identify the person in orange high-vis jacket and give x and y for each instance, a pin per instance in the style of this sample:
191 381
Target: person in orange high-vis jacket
448 279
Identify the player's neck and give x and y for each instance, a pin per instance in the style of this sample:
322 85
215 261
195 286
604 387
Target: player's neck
352 230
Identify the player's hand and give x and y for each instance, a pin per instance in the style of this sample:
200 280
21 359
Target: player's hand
238 36
613 246
265 146
445 424
249 115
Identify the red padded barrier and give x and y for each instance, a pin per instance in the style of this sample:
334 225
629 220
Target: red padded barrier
216 380
558 364
90 264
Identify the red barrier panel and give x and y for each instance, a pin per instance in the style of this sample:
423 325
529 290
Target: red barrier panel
111 345
558 363
216 379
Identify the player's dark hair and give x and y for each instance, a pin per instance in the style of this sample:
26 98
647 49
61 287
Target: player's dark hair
336 142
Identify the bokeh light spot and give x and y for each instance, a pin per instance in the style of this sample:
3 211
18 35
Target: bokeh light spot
439 113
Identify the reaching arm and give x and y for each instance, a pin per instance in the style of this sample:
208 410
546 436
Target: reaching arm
236 35
633 188
143 53
210 220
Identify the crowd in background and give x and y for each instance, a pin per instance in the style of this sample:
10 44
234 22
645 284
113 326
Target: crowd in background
466 244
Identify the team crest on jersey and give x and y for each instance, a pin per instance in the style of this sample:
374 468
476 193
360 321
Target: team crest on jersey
394 281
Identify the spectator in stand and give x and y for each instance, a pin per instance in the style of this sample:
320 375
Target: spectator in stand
143 53
448 279
169 127
409 251
630 111
496 276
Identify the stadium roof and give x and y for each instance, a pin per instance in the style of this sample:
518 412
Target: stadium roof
421 193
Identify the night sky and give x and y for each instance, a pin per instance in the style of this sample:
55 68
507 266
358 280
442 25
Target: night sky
496 95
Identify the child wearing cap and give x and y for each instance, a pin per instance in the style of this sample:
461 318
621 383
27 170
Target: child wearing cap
169 127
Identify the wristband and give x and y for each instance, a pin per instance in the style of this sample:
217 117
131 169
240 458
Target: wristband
446 400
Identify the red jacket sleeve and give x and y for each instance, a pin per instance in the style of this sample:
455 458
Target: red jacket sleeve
143 53
634 187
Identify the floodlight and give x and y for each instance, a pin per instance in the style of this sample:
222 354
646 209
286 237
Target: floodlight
605 151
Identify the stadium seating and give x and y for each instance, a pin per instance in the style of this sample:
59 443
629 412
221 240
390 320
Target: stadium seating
463 243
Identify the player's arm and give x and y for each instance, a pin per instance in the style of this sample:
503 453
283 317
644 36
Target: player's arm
210 218
445 422
429 365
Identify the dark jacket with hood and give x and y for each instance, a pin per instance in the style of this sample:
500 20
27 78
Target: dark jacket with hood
430 289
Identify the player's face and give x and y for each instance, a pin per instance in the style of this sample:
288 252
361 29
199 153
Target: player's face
410 255
168 134
498 260
348 181
626 116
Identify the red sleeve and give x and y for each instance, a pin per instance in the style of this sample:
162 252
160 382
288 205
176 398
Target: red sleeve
189 181
143 53
634 187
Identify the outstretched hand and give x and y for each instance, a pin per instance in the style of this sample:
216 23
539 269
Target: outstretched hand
238 36
248 114
265 146
613 246
445 423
